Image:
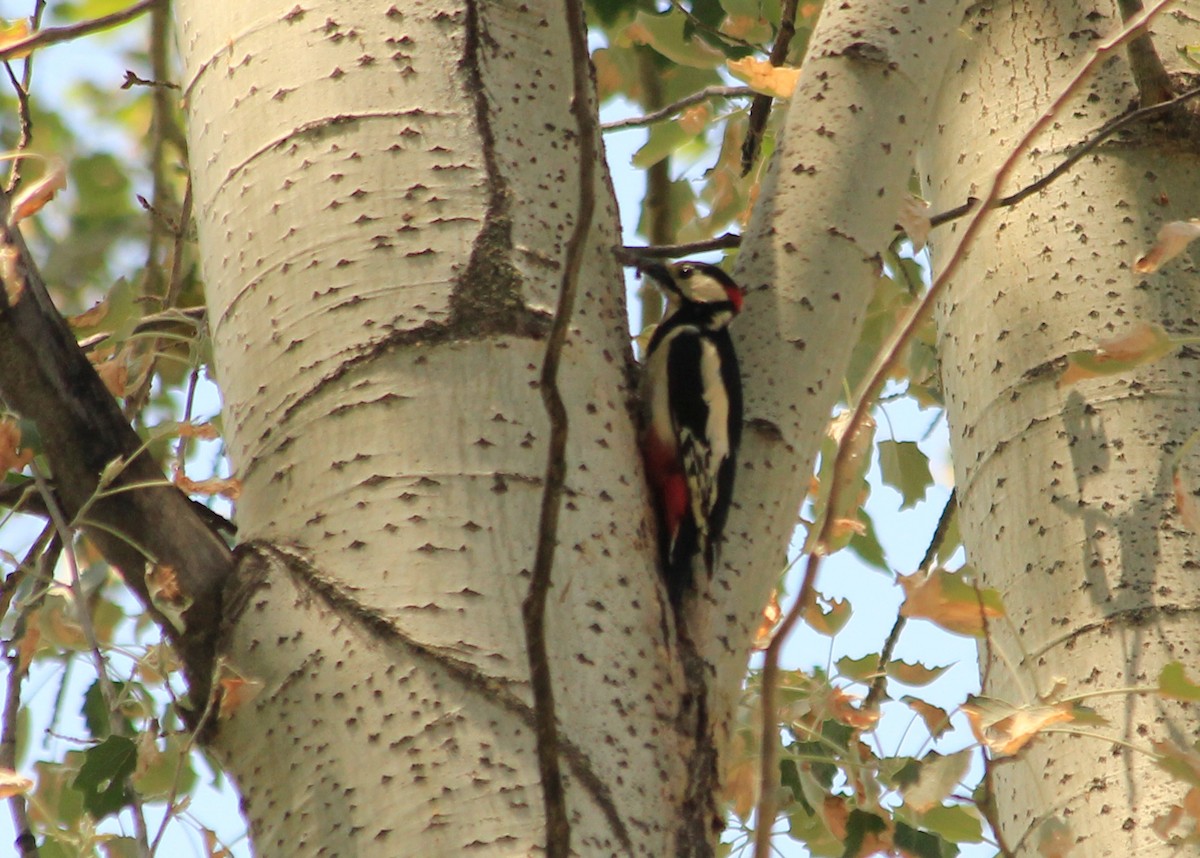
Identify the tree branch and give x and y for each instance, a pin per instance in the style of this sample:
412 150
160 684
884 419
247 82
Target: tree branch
54 35
879 683
1153 83
1107 130
47 378
670 110
554 800
760 110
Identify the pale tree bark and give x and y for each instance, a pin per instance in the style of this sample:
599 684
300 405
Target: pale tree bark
1066 493
383 196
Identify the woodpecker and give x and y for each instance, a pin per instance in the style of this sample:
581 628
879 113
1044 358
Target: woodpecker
691 403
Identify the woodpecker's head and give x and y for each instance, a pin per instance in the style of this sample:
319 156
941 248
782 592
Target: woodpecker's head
698 285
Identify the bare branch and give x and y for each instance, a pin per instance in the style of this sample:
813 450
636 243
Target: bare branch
46 377
630 255
1107 130
554 800
760 110
670 110
54 35
935 546
1153 83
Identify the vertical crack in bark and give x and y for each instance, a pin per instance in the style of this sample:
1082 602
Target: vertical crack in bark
700 818
558 828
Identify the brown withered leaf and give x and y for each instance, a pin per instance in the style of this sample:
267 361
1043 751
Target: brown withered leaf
12 456
948 600
12 784
229 488
1170 242
768 620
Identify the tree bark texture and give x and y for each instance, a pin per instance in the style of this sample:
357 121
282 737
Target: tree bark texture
1066 492
383 197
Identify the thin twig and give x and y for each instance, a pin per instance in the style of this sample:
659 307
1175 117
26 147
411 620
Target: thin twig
760 109
658 213
24 112
55 35
198 730
879 683
731 240
630 254
18 669
84 617
768 771
554 800
669 110
864 401
1107 130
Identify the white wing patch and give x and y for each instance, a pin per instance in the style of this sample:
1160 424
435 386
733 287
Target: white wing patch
702 457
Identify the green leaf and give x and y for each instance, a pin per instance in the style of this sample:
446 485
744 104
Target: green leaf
867 545
1174 684
859 669
170 770
906 469
922 844
96 714
957 823
102 777
668 34
914 674
859 825
665 138
938 777
55 802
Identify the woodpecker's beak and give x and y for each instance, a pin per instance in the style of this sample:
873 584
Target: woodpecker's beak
661 274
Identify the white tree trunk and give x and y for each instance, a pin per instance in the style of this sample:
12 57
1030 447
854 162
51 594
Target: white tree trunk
1066 492
827 211
384 194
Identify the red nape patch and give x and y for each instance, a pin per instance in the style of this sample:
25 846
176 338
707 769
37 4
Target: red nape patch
736 298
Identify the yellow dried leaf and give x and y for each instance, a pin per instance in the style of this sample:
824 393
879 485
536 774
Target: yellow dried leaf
1170 242
1164 824
11 274
34 195
236 691
762 77
115 374
90 318
771 614
1006 736
914 220
947 600
937 720
741 787
695 119
12 784
1191 803
203 431
12 32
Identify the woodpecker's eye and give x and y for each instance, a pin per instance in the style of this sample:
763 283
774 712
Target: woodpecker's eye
685 271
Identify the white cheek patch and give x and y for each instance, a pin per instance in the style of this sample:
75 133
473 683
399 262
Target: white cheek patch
703 289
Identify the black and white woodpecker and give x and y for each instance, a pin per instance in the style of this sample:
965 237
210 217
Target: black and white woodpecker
691 399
